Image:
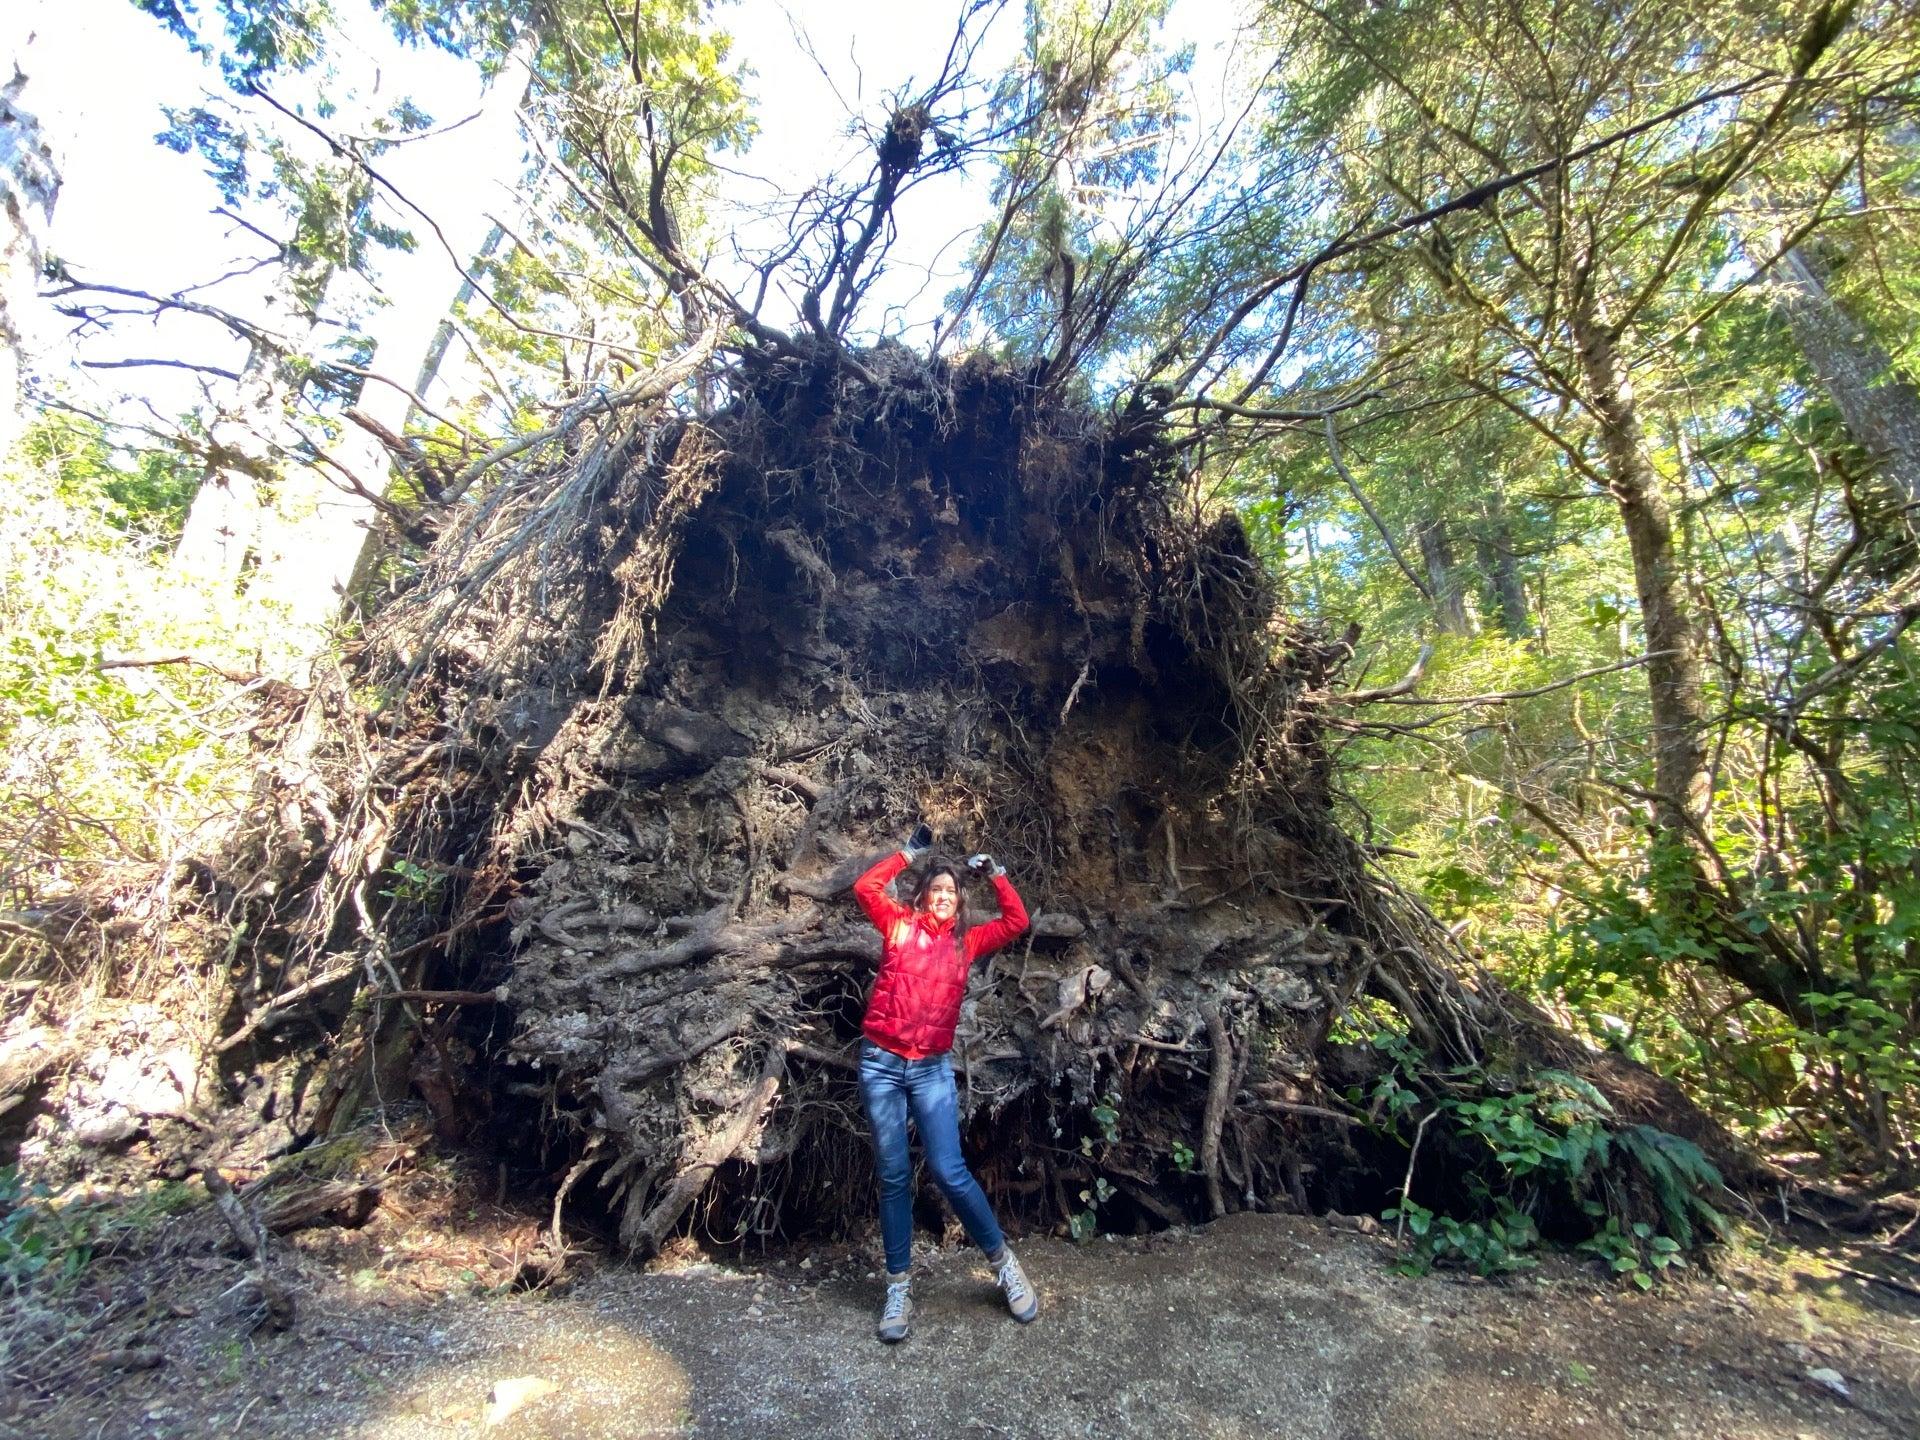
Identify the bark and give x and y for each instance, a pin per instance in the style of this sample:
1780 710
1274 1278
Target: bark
1450 609
1881 408
1673 636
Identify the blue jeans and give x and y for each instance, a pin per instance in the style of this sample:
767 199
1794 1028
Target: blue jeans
891 1085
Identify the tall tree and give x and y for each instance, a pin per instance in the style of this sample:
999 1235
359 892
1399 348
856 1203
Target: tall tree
29 186
301 443
1598 153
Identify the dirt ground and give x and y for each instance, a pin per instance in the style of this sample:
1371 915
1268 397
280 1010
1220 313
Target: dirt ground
1258 1325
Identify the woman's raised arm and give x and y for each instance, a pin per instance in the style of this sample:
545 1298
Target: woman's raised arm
989 937
871 888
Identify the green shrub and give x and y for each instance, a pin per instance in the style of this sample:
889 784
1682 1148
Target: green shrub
1553 1141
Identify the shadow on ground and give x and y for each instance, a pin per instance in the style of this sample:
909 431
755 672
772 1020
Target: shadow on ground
1256 1326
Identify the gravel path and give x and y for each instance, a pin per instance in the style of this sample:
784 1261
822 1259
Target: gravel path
1255 1326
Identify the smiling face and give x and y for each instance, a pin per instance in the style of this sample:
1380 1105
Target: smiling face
941 898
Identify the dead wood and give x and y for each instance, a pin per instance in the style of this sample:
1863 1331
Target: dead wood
661 690
1214 1118
274 1296
25 1058
281 1006
331 1204
496 996
643 1230
252 1242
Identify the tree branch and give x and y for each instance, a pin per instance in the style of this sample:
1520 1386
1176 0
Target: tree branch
1380 524
1473 199
165 364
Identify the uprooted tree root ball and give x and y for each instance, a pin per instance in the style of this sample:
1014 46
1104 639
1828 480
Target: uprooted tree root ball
567 848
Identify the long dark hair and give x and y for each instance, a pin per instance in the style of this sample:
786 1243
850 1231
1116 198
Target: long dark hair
960 888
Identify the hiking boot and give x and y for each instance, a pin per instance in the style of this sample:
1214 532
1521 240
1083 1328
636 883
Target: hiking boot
1023 1304
897 1314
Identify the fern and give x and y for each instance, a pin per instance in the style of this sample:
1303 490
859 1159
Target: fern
1572 1091
1682 1177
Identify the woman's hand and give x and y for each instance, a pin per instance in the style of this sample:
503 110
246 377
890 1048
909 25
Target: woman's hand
984 864
918 843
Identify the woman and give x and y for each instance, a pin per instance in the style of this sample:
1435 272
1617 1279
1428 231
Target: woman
911 1015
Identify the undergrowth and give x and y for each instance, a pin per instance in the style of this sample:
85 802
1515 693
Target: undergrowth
47 1245
1550 1149
113 770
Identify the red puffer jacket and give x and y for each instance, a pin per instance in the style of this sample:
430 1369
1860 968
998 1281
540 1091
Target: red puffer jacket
923 969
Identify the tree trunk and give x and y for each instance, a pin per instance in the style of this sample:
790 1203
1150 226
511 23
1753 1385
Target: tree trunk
1450 610
1673 646
442 342
1681 778
223 524
29 184
1881 409
308 539
1500 569
317 544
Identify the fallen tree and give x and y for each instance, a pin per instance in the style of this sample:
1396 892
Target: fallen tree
566 845
563 843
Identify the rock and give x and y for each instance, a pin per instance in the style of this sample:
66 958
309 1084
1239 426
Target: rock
1358 1224
508 1396
144 1084
1077 988
1830 1379
24 1057
105 1130
1284 990
1055 926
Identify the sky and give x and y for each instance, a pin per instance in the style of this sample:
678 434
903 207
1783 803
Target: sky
131 212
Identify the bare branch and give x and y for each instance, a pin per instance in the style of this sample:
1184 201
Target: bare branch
1379 523
163 364
1387 692
1393 695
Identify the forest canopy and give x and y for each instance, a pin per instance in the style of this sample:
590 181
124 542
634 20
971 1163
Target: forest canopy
1400 518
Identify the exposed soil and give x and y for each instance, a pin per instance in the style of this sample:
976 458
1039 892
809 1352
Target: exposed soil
586 801
1257 1325
565 856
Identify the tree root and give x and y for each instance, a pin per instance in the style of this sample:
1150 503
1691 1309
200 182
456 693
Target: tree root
643 1230
1219 1092
657 699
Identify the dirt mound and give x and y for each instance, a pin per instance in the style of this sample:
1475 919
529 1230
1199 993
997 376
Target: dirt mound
563 847
644 716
